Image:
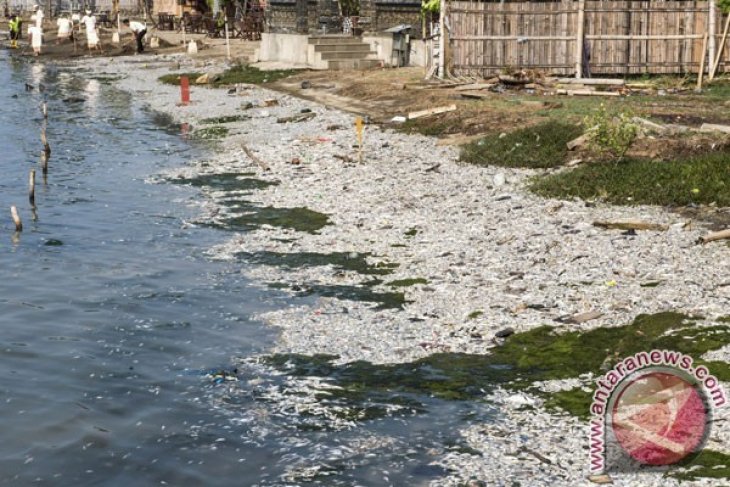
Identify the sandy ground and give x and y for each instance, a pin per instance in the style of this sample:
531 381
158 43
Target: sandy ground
481 241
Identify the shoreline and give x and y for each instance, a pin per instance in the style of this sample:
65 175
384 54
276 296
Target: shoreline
469 239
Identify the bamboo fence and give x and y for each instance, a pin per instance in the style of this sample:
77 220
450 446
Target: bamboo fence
623 37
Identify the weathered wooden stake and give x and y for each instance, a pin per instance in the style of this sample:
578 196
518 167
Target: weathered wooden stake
701 74
16 219
31 189
46 146
44 110
713 68
44 162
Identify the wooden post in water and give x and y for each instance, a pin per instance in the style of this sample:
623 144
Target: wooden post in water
46 145
44 163
16 219
44 110
31 189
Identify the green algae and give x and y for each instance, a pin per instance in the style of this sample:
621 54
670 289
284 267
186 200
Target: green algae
475 314
576 402
227 181
707 464
225 119
407 282
346 261
209 133
537 355
363 293
247 217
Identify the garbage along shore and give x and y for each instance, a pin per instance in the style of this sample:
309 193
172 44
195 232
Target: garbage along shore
413 253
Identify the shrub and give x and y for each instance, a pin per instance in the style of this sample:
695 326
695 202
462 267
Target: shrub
611 134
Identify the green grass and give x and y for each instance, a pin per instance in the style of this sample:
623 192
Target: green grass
247 74
174 78
236 74
702 179
540 146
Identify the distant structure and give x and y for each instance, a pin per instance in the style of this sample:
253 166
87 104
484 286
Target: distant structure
326 17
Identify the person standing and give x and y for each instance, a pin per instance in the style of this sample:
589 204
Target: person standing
36 39
92 38
37 16
139 29
64 29
14 25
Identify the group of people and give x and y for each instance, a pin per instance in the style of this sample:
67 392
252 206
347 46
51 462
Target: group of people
66 27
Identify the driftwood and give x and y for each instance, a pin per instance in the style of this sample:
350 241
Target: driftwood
630 225
255 158
16 219
475 95
431 111
712 236
475 86
580 317
712 127
300 117
649 125
587 93
578 142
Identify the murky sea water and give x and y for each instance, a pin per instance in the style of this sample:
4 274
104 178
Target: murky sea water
111 313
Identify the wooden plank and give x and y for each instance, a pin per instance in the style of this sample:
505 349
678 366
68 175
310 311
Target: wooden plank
587 93
431 111
593 81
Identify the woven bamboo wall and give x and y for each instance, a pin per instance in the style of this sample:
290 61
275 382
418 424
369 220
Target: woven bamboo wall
625 37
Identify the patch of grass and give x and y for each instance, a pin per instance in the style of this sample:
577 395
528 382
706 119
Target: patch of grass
174 78
702 179
248 74
475 314
431 128
539 146
407 282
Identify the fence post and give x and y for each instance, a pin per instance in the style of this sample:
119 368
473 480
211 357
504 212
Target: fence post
442 39
579 38
711 32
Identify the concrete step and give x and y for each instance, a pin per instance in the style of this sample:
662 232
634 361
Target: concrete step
335 40
342 55
341 47
346 64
